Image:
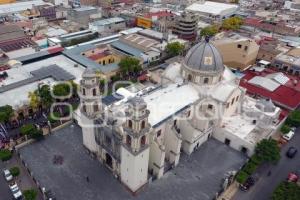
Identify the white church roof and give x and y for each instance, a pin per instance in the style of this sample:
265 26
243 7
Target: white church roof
223 92
165 102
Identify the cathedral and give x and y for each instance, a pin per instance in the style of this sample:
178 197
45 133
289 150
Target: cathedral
142 135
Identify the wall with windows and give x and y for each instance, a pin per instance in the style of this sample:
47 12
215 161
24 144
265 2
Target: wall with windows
238 54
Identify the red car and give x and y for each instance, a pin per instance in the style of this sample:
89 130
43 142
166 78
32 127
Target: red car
292 178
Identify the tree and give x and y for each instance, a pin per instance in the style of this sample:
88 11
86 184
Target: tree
129 64
27 129
242 176
286 191
232 23
34 100
6 112
5 154
174 48
45 96
30 194
293 118
285 129
15 171
209 30
268 151
61 90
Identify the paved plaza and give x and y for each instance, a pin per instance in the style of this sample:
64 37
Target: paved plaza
196 177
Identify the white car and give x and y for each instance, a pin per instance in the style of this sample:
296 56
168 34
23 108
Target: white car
15 190
7 175
289 135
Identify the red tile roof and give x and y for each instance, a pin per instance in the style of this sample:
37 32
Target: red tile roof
159 14
287 95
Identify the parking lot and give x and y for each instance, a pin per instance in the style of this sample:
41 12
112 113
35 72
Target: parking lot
196 177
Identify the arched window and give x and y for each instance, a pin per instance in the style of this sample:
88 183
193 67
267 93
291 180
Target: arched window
129 123
94 92
143 140
143 124
190 77
206 80
128 140
83 91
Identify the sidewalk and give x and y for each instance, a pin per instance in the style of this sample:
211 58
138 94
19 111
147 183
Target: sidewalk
229 192
24 180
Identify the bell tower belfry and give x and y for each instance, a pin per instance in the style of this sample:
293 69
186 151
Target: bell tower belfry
135 148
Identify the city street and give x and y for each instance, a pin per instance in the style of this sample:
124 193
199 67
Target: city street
4 189
263 189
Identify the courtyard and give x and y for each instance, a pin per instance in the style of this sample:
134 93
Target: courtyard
61 163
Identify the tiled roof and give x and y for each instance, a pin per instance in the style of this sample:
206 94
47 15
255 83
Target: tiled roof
287 95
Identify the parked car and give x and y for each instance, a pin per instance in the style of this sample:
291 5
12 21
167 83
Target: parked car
289 135
7 175
16 191
292 151
292 177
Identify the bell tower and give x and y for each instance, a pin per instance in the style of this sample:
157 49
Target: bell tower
90 97
135 148
90 108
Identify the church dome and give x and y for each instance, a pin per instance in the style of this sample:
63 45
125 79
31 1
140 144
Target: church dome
204 57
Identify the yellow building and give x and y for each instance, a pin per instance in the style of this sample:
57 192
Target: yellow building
7 1
143 22
237 52
106 58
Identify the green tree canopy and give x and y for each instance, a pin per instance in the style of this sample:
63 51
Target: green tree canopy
129 64
62 90
5 154
209 30
15 171
27 129
268 151
45 96
232 23
6 112
293 118
286 191
30 194
174 48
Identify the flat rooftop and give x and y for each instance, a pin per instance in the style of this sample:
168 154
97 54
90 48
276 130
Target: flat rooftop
211 7
198 176
108 21
18 96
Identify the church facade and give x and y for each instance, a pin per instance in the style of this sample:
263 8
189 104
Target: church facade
143 134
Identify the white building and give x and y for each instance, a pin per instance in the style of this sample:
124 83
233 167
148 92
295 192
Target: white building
146 131
212 10
108 25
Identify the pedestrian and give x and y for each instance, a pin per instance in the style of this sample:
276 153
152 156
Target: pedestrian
87 179
269 173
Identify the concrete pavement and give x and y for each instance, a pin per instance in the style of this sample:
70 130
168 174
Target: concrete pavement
264 188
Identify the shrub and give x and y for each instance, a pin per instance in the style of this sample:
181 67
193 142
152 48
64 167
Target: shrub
30 194
285 129
15 171
27 129
250 167
286 191
242 176
5 154
54 117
